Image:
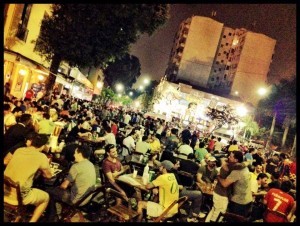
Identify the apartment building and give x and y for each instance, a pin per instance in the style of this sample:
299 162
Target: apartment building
227 61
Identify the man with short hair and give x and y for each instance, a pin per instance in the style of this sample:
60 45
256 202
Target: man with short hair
280 205
81 177
22 167
168 193
208 173
241 199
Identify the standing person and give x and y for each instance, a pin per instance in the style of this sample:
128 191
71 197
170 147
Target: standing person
25 163
221 194
168 193
280 205
234 146
218 145
29 94
6 89
211 144
81 177
241 200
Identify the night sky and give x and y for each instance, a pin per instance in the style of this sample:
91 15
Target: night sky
278 21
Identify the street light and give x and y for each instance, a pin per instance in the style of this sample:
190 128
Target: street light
130 93
141 88
119 87
146 81
262 91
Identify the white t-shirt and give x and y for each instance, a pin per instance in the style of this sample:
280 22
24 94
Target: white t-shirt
127 119
110 138
142 147
218 146
184 150
128 142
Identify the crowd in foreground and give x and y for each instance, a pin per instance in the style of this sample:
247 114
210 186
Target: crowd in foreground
246 180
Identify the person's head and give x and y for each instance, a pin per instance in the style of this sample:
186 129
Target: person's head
201 144
6 107
286 186
144 138
82 152
26 119
174 131
236 157
258 169
107 129
275 175
17 111
186 141
191 156
166 166
29 137
46 116
262 179
39 141
219 139
251 150
111 151
234 142
251 168
211 162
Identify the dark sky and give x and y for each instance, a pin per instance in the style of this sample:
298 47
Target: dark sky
277 21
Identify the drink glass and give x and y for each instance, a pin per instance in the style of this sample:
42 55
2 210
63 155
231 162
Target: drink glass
134 173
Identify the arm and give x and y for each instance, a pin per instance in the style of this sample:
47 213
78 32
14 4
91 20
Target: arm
291 213
225 182
199 178
46 173
112 181
64 185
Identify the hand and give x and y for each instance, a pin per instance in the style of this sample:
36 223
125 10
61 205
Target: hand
155 191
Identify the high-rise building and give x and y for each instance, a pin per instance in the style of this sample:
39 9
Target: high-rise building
223 60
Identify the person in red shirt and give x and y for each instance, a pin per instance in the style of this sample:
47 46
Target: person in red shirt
114 127
280 205
211 144
29 94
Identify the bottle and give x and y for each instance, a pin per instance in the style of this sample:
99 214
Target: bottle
146 170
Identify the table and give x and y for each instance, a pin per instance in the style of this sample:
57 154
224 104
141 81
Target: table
133 182
207 192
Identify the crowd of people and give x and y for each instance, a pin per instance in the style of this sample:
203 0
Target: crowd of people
246 180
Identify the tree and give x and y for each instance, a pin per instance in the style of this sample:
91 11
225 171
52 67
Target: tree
125 71
86 35
107 94
250 127
281 105
222 116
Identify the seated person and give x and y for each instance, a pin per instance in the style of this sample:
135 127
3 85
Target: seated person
81 177
189 165
26 162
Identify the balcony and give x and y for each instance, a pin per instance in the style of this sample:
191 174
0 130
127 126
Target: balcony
22 32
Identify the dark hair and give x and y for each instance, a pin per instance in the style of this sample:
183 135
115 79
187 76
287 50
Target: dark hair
251 168
238 155
107 129
108 147
38 140
174 131
84 150
16 109
186 141
144 138
46 115
201 144
25 118
261 176
286 186
276 175
191 156
6 107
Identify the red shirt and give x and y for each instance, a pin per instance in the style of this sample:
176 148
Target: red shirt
114 129
108 166
280 202
29 94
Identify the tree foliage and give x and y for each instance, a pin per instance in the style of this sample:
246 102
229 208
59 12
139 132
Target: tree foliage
125 71
86 35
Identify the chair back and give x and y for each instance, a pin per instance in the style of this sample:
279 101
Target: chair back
231 217
91 193
14 210
180 201
12 192
186 179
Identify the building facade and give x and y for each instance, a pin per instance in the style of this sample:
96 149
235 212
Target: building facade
23 67
220 59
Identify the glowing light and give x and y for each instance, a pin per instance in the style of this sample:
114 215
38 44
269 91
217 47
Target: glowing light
146 81
119 95
236 92
40 77
119 87
137 104
99 85
130 93
22 72
262 91
241 111
141 88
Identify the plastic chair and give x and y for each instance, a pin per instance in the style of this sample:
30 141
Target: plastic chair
14 209
82 205
123 211
176 217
